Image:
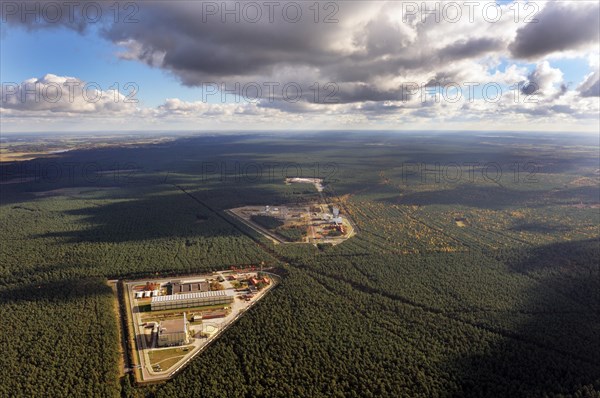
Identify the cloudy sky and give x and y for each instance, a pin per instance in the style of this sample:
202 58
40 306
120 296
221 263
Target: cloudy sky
105 66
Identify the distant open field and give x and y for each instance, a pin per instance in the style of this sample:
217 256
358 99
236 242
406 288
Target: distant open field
24 147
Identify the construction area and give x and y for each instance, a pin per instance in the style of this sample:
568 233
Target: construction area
314 223
317 182
172 320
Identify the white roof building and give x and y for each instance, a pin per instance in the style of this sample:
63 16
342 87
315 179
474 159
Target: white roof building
188 300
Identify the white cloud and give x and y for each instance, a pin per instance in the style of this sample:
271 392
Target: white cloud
63 95
545 81
418 109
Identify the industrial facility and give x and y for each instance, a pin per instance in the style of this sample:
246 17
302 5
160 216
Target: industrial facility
301 223
188 300
173 332
160 310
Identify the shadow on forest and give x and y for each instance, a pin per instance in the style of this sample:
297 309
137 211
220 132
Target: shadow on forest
567 257
184 159
550 352
197 161
160 215
62 290
572 268
490 197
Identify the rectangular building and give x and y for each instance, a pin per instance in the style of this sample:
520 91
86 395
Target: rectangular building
188 300
178 287
173 332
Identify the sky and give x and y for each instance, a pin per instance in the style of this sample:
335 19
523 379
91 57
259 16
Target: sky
255 65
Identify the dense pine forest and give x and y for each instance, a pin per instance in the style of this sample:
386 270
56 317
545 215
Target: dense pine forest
474 272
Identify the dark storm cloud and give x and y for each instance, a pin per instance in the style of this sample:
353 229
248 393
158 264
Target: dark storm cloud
364 92
470 48
175 37
75 15
559 27
361 59
382 36
198 47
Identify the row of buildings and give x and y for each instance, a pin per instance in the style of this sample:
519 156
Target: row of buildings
178 287
147 294
188 300
188 294
176 331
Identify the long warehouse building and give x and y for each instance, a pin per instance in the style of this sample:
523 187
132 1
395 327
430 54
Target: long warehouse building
188 300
